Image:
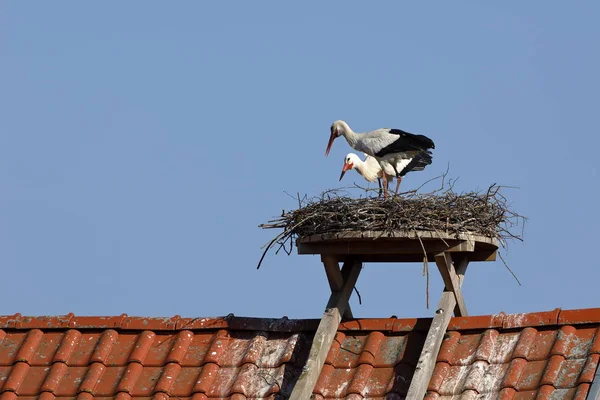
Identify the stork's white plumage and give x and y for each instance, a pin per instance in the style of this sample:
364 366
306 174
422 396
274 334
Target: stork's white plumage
385 145
372 171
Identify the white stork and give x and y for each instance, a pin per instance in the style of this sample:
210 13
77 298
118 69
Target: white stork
370 169
391 145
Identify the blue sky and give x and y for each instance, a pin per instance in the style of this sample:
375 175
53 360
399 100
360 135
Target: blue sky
141 144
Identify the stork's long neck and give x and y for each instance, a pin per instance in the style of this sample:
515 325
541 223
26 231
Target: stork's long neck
351 137
363 169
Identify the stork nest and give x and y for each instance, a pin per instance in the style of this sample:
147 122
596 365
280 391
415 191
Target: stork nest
485 213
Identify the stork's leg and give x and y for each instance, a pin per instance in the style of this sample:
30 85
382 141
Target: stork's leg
398 180
385 185
379 184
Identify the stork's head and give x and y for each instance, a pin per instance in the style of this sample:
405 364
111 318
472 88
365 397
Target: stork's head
337 129
350 162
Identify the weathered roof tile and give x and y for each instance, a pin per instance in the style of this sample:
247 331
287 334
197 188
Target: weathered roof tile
525 356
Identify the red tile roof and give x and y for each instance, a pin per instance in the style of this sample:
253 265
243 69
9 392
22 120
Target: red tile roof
541 355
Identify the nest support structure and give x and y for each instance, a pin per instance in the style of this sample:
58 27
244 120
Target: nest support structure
448 229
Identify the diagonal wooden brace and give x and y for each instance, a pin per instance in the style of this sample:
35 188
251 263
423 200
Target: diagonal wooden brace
453 280
326 332
336 280
439 325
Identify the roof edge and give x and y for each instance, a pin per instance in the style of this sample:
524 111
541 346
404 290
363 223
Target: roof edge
284 324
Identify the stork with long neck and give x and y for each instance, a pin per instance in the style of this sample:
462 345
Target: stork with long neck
385 145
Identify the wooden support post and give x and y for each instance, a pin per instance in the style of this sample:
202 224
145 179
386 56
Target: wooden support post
452 281
439 325
338 302
431 348
336 281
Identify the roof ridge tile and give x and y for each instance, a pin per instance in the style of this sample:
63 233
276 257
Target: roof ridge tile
91 322
150 323
522 320
284 324
580 316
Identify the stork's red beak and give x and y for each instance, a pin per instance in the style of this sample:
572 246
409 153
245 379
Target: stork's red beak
346 168
331 139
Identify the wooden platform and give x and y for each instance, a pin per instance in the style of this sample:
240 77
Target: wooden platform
399 246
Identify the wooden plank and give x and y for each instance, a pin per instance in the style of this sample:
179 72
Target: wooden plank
382 246
461 269
431 348
332 269
399 235
336 281
407 258
452 281
326 333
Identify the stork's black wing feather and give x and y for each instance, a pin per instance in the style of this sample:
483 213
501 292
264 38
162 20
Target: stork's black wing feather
418 163
406 142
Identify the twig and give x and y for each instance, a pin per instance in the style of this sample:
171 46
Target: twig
358 294
508 268
425 270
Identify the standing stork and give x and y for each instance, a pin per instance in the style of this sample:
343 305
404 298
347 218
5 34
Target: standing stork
385 144
370 169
